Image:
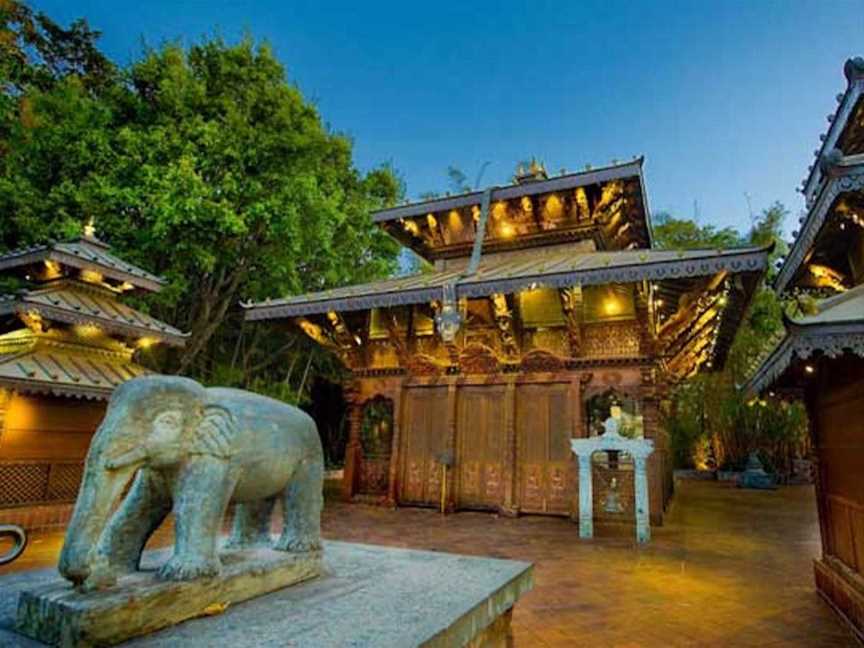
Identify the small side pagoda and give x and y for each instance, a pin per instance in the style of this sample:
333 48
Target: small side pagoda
66 342
820 359
548 310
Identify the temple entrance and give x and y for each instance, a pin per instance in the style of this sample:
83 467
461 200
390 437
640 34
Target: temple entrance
480 451
424 440
546 480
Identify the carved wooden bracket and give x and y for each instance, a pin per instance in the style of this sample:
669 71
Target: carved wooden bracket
571 303
504 319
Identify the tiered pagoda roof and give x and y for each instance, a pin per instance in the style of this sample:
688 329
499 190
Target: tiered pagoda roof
827 254
69 335
566 233
605 205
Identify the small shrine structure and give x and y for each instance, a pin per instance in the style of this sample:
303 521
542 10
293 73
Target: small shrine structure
820 358
548 305
66 342
612 441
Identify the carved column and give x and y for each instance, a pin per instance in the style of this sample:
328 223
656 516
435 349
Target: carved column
586 501
510 466
5 397
640 487
395 448
351 477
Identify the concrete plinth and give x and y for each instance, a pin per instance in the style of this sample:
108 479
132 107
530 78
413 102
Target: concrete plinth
367 596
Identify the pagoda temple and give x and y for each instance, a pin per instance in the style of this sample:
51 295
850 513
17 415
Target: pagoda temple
548 310
820 359
66 342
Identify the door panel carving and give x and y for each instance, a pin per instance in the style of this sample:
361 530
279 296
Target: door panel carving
546 472
480 434
424 439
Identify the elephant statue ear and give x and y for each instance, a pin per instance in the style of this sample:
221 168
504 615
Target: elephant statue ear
215 433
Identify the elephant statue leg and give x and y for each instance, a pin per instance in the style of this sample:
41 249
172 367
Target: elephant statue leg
251 524
302 502
139 515
202 494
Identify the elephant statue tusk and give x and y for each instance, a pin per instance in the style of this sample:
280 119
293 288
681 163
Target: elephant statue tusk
136 455
19 536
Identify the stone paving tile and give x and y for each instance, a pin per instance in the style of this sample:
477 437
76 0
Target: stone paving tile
729 568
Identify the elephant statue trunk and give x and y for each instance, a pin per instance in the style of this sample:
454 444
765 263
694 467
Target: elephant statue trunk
192 450
100 489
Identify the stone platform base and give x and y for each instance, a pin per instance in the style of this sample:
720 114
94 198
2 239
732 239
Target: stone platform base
58 615
843 590
367 596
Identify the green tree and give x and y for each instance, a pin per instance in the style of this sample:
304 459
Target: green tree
205 165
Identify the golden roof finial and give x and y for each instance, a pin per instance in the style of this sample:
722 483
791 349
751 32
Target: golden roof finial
90 228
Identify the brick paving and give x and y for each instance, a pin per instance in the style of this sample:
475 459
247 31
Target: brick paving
729 568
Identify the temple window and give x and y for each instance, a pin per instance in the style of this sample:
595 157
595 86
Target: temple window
608 303
541 308
422 321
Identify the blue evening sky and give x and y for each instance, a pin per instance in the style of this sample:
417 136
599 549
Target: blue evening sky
725 99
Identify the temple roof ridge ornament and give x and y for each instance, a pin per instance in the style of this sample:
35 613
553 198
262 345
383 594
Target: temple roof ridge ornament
853 70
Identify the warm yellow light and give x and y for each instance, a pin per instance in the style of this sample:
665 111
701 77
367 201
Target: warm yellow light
611 306
826 276
527 207
554 207
411 227
809 369
430 220
87 330
91 276
475 213
499 210
90 228
145 342
52 269
507 230
723 300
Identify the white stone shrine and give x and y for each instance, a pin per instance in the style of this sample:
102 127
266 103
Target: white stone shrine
639 449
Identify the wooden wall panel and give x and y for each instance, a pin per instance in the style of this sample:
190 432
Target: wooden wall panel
423 440
545 467
481 447
48 429
839 429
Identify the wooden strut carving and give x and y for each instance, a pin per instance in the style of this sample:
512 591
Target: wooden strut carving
571 303
396 338
504 320
328 340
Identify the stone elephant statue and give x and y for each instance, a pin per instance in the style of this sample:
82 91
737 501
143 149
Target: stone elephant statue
192 450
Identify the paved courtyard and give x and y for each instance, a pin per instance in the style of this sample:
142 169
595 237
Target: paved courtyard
729 568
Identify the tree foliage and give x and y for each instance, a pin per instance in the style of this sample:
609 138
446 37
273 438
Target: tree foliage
202 164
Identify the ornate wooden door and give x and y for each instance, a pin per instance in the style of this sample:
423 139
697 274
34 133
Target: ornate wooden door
424 438
481 439
545 469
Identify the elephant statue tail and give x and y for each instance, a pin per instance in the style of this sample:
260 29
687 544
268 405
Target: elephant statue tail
18 536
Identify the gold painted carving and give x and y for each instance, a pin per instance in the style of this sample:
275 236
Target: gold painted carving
478 358
504 320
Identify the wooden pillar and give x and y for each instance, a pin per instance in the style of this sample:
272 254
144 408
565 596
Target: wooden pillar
452 482
351 476
395 449
577 431
818 474
655 467
5 397
510 507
